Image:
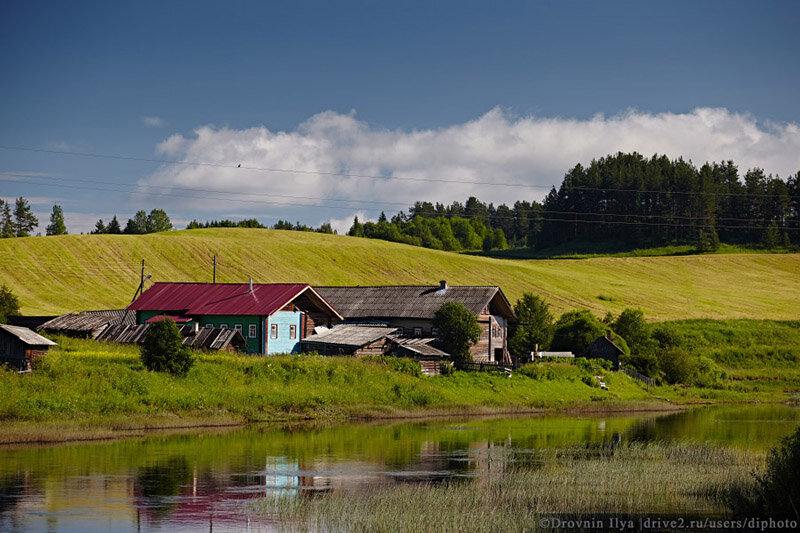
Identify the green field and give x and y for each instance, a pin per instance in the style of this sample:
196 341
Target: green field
52 275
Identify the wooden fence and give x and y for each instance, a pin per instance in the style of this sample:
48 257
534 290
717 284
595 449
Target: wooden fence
636 375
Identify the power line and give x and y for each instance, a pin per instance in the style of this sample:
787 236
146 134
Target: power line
378 177
168 193
271 169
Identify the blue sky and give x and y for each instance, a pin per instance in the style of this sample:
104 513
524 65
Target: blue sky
449 98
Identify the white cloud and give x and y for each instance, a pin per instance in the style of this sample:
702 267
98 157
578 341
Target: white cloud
153 121
342 225
492 149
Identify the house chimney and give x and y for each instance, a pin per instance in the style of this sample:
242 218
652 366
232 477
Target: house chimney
251 284
443 285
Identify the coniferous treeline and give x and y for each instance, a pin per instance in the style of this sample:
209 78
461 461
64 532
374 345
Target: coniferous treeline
624 197
254 223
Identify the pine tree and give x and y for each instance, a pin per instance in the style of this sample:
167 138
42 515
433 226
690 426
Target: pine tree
57 226
24 220
99 228
114 227
138 224
6 224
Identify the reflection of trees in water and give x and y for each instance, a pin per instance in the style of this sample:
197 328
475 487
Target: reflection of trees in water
12 488
158 484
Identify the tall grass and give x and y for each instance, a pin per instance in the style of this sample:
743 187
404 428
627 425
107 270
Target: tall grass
83 379
629 482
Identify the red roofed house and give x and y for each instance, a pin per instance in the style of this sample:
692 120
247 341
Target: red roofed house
272 317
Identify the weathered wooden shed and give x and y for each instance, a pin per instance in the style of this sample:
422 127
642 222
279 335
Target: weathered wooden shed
208 338
604 348
19 346
350 339
88 324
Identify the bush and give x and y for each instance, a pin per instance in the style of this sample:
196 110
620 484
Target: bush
9 304
162 350
775 493
677 365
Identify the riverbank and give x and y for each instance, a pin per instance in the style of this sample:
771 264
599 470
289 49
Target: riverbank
84 390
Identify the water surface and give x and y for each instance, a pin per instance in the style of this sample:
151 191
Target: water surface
207 481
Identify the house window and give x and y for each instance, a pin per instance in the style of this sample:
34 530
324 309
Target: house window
251 331
223 325
418 332
401 332
273 331
238 327
434 332
292 332
209 326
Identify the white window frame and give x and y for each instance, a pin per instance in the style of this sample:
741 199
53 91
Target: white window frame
418 332
251 331
273 331
223 325
434 332
292 331
238 327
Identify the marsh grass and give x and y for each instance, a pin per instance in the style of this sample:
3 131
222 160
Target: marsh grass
83 380
632 481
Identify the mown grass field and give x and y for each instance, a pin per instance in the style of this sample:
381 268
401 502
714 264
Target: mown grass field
52 275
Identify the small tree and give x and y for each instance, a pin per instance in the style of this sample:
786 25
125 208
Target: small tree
24 220
6 223
114 227
56 226
157 221
576 330
9 304
632 326
535 327
458 330
163 351
138 224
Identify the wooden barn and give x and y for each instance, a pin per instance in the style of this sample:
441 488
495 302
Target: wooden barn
208 338
350 339
411 309
604 348
19 347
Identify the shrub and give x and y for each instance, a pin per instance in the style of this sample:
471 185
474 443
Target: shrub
9 304
162 350
677 365
775 493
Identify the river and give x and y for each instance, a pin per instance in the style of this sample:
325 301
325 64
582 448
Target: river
207 480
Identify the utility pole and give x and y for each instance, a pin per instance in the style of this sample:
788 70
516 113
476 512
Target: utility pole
215 269
141 283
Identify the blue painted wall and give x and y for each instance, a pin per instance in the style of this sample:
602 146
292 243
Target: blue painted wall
283 344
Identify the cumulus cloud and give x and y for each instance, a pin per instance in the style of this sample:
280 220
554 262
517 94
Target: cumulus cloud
337 161
152 121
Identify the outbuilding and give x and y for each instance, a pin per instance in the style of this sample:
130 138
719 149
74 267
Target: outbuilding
604 348
19 346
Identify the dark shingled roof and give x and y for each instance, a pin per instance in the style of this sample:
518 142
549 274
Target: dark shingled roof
404 301
203 338
88 321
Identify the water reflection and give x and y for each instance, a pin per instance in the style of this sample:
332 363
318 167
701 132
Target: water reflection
206 480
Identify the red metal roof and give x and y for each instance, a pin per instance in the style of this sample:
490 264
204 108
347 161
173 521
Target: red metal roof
218 298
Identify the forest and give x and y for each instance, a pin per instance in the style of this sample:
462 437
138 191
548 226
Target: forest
625 198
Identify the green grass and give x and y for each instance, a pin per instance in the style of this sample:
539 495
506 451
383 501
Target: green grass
86 380
632 482
52 275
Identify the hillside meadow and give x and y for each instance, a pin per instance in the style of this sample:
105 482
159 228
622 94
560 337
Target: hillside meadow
53 275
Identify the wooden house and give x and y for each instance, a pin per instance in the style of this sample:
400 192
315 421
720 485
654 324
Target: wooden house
19 346
411 309
208 338
350 339
273 318
604 348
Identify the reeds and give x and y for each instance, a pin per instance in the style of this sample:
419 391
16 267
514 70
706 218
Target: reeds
629 482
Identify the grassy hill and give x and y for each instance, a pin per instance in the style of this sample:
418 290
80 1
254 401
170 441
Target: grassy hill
52 275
